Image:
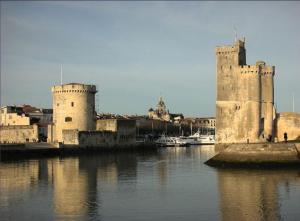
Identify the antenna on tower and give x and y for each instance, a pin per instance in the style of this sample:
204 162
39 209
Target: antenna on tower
293 102
61 75
235 34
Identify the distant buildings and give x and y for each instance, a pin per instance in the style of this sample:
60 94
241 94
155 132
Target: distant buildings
162 113
205 125
20 124
13 115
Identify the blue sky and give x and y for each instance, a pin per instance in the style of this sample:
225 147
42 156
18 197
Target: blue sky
135 51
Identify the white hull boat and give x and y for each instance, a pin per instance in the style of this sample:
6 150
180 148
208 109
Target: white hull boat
165 141
203 138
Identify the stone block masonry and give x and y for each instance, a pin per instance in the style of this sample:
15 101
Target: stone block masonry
73 108
245 97
19 134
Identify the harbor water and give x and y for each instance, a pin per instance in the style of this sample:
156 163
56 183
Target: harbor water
168 184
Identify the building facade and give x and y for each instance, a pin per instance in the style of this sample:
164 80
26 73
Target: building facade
13 115
162 113
245 97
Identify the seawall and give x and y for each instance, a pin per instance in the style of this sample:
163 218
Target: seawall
40 150
256 155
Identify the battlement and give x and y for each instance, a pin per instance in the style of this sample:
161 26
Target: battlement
74 88
229 49
225 50
268 70
249 69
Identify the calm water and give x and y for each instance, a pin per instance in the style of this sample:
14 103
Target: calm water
172 184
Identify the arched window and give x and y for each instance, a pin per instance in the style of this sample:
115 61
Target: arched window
68 119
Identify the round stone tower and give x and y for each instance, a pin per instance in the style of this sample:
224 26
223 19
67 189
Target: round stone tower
73 108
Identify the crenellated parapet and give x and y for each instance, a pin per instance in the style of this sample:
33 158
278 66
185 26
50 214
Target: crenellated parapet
230 49
74 88
265 69
225 50
248 69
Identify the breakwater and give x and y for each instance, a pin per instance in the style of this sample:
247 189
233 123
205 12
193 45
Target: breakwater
256 155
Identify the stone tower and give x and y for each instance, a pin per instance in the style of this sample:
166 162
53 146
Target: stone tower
245 101
73 108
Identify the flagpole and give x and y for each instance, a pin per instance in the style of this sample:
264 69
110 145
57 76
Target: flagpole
61 75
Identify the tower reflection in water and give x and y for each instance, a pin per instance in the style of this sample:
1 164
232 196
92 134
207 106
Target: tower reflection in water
71 186
253 194
124 185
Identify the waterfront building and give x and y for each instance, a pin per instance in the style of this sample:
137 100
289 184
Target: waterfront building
20 124
13 115
73 109
206 125
245 109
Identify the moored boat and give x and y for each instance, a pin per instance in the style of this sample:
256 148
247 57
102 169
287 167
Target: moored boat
165 141
203 138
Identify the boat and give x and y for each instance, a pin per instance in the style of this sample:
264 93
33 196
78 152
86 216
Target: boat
181 141
164 141
189 140
203 138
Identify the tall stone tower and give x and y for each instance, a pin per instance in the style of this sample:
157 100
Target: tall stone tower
245 101
73 108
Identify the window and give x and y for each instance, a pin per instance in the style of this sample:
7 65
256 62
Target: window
72 104
68 119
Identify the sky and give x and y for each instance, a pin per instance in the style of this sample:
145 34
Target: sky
135 52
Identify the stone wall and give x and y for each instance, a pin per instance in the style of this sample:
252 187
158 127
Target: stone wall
125 129
97 138
245 97
106 125
290 123
19 134
73 107
70 136
104 139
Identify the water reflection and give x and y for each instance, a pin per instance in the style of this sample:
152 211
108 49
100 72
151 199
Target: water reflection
74 181
172 184
253 194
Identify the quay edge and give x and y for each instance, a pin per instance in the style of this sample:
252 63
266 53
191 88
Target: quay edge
256 155
41 150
